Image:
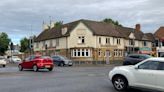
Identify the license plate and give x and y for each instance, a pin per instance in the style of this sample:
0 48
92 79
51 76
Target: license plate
47 66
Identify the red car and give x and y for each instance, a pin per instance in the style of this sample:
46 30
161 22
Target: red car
36 63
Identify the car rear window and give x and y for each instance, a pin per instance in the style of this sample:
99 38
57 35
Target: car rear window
134 56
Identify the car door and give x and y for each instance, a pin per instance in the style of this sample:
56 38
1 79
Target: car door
31 62
25 63
57 60
160 76
145 74
134 59
28 62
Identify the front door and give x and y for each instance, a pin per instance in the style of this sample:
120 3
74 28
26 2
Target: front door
145 74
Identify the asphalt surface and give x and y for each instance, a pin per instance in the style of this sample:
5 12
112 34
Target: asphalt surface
61 79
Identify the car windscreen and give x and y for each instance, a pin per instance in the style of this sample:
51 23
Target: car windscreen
45 57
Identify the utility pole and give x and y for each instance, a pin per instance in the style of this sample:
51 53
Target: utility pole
11 48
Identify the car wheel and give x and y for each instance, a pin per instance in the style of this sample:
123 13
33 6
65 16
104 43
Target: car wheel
50 69
120 83
20 68
127 63
3 65
35 68
61 64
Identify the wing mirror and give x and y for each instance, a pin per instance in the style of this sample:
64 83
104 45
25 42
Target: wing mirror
136 67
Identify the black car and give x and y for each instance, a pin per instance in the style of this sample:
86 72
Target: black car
61 60
133 59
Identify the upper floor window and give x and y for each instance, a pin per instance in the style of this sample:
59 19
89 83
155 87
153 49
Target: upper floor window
162 43
81 39
118 41
44 43
37 45
131 42
144 43
99 40
107 40
50 43
57 42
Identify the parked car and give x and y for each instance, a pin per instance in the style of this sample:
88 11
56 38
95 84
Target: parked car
15 59
37 62
62 61
133 59
147 74
3 61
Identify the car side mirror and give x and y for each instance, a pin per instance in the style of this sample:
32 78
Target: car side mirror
136 67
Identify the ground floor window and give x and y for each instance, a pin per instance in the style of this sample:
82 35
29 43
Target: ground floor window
100 53
107 53
118 53
81 52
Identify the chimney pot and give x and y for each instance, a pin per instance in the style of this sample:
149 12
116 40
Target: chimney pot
138 27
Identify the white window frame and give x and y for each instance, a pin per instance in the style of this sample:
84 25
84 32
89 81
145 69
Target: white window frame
107 40
81 39
78 52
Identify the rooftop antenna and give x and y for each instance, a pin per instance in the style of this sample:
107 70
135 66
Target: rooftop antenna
50 20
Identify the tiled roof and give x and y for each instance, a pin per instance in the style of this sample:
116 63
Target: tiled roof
150 36
159 33
98 28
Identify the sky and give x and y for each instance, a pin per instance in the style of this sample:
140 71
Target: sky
22 18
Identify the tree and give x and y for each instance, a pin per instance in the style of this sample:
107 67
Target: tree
109 20
4 43
24 45
58 24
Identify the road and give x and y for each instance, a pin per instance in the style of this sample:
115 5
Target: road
61 79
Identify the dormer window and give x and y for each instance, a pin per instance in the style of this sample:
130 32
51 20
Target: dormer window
64 30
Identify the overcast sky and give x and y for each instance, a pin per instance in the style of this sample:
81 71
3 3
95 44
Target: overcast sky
19 17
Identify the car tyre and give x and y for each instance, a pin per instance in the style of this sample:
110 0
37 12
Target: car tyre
20 67
120 83
50 69
35 68
62 64
3 66
127 63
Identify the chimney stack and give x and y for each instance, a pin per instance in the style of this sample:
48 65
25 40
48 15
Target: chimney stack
45 27
138 27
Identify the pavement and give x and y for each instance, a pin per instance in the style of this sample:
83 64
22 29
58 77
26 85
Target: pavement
61 79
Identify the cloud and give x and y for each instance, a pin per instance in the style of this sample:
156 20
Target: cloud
17 16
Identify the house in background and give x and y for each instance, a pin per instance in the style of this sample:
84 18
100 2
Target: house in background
159 35
152 38
86 40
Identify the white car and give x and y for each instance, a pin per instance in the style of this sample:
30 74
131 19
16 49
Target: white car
3 61
148 74
15 59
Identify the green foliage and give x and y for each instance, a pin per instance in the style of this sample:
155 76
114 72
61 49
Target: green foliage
58 24
4 43
24 45
109 20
